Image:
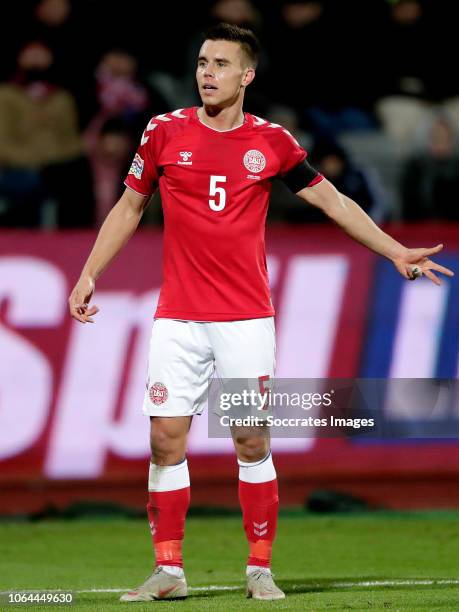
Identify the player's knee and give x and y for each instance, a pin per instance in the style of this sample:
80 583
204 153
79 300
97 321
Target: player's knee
252 449
162 446
168 440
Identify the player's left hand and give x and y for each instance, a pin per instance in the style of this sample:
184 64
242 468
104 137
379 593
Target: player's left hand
415 262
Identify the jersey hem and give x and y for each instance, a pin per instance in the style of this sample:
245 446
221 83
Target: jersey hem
212 317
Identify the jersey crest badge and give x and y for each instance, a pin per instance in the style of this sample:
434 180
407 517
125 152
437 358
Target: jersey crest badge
254 161
137 167
158 393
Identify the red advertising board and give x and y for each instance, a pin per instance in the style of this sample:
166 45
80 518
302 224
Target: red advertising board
70 395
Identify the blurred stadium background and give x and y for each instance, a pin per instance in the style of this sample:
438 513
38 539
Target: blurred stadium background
377 106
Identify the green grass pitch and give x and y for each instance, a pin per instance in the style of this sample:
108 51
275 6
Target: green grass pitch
376 561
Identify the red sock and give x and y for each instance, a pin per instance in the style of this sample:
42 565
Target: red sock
258 496
167 511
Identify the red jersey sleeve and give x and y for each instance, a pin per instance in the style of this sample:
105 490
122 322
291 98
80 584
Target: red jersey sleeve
289 151
143 174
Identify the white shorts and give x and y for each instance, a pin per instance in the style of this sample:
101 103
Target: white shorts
184 355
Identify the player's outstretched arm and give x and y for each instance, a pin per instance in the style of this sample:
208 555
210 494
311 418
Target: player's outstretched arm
411 263
116 230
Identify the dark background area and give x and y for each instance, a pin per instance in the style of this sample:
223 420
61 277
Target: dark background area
364 86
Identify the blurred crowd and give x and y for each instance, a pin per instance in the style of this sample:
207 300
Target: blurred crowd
361 84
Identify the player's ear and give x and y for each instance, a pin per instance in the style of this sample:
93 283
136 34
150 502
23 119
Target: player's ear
248 76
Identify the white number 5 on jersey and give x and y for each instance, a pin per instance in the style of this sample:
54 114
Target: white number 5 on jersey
220 204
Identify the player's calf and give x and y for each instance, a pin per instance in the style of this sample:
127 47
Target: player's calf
258 496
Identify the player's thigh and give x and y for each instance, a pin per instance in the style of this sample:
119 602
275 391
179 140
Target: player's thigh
244 349
180 364
245 352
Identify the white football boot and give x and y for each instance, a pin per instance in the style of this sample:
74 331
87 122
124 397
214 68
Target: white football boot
160 585
260 585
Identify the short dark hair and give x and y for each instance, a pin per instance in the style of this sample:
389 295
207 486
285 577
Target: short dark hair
245 37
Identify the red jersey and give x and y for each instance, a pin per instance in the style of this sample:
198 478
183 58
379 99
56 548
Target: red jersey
215 188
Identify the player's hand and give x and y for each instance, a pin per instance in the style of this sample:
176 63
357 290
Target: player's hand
415 262
79 301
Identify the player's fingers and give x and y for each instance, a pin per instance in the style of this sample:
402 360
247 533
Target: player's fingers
85 315
84 318
433 277
93 310
83 305
78 311
402 269
442 269
431 251
77 316
414 272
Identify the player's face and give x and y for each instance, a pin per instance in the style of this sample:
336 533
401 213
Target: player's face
222 72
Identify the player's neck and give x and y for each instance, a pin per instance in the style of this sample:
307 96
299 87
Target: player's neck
221 119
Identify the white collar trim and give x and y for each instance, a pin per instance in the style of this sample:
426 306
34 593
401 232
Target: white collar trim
221 131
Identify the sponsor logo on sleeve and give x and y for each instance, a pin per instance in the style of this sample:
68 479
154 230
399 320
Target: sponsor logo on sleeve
137 167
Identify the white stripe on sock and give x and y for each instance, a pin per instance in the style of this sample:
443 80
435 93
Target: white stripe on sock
168 477
259 471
